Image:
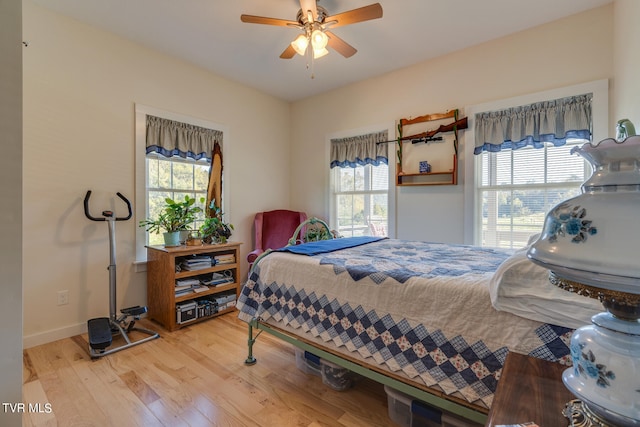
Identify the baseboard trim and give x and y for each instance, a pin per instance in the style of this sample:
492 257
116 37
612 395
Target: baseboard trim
33 340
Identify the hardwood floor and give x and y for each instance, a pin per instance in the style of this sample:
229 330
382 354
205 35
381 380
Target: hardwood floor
195 376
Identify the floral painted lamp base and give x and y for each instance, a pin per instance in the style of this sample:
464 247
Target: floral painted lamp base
579 415
606 370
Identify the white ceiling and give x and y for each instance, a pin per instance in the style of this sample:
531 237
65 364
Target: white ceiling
209 33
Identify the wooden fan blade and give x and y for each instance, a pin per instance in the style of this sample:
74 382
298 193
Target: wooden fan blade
366 13
340 46
288 53
251 19
306 5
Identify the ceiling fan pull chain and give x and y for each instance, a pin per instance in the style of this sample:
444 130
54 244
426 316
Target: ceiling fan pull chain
310 61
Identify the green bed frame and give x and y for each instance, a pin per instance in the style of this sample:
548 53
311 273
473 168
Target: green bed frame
431 399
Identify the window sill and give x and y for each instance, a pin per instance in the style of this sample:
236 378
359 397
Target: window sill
140 266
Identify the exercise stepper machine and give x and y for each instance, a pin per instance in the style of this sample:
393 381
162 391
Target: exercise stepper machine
101 330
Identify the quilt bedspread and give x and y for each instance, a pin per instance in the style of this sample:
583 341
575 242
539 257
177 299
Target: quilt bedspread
417 309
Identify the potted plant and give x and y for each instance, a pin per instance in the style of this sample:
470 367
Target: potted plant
188 214
214 229
174 218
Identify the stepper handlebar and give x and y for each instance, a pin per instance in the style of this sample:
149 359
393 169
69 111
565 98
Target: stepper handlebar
106 214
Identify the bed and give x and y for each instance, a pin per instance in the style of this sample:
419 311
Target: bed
418 316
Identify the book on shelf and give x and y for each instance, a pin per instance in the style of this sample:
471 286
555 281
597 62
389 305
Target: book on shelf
198 266
200 288
189 285
197 258
180 291
187 282
224 259
218 282
219 278
196 263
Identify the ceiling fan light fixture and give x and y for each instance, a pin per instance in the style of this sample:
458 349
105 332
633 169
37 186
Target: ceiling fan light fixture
300 44
319 39
319 53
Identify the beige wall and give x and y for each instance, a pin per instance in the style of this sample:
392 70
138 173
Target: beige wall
11 212
570 51
80 87
626 84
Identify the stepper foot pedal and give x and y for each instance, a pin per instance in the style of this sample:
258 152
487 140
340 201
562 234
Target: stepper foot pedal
99 333
134 311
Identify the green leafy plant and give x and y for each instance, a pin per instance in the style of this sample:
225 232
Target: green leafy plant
315 233
214 229
175 216
186 211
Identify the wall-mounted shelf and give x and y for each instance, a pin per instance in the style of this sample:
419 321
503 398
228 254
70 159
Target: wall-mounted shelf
449 177
441 152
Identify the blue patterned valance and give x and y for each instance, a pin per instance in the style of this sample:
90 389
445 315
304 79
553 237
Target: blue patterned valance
171 138
552 122
359 150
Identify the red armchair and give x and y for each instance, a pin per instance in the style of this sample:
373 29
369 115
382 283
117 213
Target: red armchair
273 229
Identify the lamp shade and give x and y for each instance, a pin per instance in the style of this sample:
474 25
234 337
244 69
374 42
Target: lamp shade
319 39
319 53
300 44
594 238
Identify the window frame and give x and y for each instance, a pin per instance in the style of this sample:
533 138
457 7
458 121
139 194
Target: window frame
178 194
140 205
368 179
391 193
472 172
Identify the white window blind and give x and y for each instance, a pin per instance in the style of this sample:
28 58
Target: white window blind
518 187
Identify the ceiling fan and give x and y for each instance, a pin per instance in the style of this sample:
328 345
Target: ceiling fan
316 23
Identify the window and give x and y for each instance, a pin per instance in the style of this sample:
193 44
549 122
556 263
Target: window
511 190
518 187
360 184
360 200
165 171
175 178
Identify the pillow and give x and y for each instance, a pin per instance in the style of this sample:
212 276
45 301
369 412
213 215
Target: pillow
522 288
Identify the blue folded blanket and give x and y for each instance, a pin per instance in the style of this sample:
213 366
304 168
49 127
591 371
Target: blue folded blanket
324 246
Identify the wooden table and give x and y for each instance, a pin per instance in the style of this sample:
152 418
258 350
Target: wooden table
530 389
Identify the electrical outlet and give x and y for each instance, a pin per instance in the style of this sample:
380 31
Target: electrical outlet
63 297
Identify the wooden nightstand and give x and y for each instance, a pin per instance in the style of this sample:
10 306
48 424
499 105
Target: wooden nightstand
530 389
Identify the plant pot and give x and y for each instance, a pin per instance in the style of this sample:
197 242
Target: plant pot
171 238
194 239
184 235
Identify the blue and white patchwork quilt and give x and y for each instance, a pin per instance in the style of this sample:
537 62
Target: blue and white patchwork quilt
421 310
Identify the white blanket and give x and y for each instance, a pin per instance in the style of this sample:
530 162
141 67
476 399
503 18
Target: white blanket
521 287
